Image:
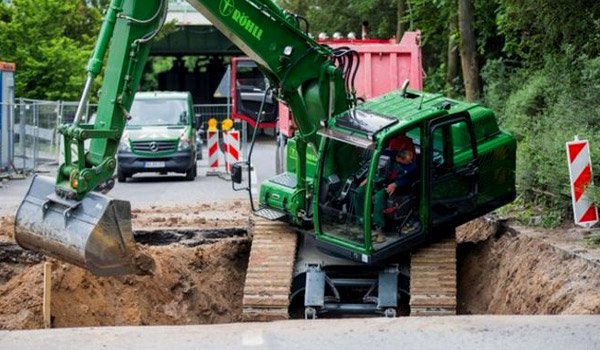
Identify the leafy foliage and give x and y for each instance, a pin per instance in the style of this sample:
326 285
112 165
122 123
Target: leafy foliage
544 108
533 29
346 16
50 41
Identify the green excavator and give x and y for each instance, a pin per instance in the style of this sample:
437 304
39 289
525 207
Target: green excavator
465 166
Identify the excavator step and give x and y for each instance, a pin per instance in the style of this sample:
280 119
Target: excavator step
270 271
433 279
269 214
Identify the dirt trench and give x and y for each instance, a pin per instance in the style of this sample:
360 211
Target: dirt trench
202 253
525 271
198 280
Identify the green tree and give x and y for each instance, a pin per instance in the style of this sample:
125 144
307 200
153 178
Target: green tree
50 41
468 49
534 30
347 15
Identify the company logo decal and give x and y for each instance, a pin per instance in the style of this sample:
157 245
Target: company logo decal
226 7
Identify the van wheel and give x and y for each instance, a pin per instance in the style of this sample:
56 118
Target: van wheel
121 176
190 175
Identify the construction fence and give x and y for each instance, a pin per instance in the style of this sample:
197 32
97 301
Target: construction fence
34 129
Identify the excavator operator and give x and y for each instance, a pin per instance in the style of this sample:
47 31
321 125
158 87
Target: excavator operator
402 175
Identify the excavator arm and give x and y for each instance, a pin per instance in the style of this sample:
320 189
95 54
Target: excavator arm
67 220
129 26
302 71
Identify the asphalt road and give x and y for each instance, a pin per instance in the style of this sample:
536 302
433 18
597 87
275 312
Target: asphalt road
144 190
444 333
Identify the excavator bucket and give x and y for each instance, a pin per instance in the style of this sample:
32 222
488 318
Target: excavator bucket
94 233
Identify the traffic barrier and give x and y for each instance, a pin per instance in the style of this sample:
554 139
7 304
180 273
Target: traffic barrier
585 211
232 148
213 152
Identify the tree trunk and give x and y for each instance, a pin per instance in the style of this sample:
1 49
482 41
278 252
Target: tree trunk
400 29
468 50
452 59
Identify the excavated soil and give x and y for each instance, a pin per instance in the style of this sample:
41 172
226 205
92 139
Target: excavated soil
520 270
202 251
199 275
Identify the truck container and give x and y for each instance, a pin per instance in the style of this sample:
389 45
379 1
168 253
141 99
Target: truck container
384 66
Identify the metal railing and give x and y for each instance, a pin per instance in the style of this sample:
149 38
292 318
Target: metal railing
35 129
34 134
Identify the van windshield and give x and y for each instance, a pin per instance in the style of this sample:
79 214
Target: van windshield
145 112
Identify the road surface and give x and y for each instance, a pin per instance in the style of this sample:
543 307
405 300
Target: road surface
450 332
144 190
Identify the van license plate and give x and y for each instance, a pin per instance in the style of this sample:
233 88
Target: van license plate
154 164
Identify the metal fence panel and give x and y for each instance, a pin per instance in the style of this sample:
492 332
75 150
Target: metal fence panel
6 141
35 129
221 112
205 112
35 133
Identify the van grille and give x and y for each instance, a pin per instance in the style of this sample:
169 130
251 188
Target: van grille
154 146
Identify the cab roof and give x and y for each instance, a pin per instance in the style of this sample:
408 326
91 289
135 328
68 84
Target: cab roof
375 118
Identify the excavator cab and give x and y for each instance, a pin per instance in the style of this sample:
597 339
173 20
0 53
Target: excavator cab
355 210
358 218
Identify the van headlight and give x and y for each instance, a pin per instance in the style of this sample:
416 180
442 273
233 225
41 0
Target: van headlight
124 145
184 144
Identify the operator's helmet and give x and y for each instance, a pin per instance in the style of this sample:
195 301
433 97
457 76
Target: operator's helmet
402 143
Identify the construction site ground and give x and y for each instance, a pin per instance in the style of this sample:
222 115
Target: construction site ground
199 280
201 245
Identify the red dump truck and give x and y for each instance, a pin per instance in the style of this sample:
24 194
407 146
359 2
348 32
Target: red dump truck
384 66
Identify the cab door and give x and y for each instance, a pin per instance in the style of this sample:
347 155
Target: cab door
453 169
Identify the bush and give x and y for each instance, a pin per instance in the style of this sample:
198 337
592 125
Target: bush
544 108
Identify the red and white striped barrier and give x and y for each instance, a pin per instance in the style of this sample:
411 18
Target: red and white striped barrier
232 148
580 174
213 151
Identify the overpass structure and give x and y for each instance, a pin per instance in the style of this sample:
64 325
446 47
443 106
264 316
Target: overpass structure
194 36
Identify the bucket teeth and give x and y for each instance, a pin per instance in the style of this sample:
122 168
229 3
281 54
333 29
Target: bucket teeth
94 233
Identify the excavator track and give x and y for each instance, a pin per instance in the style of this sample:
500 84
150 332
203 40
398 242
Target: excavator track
433 279
270 270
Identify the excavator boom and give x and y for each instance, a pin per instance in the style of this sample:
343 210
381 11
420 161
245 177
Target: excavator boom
67 220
